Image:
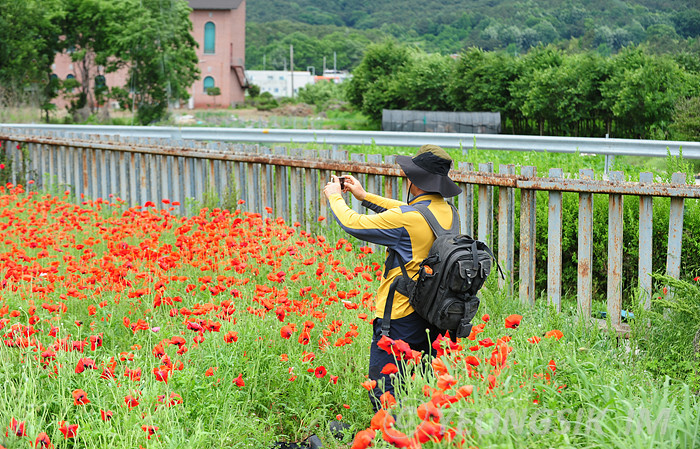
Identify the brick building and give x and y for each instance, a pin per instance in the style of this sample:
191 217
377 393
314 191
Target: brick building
218 26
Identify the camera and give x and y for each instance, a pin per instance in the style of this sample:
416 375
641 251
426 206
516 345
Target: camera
342 182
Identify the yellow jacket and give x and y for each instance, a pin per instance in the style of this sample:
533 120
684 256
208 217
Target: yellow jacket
398 226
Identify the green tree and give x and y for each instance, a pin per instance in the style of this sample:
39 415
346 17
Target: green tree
686 120
643 90
369 89
153 39
84 26
422 83
29 38
481 82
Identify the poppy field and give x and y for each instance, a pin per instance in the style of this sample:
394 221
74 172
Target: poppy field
138 328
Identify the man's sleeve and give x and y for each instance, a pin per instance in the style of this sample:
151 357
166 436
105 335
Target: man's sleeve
385 228
380 204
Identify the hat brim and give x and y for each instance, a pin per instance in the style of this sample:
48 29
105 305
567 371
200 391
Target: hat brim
428 181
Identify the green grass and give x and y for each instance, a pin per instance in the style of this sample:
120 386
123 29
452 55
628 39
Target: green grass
106 263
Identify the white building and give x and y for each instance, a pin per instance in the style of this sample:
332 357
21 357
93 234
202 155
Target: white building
279 82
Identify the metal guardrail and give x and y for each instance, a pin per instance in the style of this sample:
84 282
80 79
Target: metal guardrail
602 146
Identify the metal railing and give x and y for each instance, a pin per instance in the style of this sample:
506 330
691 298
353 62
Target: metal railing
602 146
287 183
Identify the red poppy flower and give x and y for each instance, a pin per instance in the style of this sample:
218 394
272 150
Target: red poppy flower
68 430
513 321
555 333
239 381
381 420
363 439
390 368
106 415
534 339
150 431
131 401
429 431
429 411
231 337
42 441
369 385
445 381
80 397
320 372
286 331
16 428
387 400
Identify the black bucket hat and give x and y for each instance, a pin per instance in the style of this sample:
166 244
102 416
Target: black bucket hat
429 170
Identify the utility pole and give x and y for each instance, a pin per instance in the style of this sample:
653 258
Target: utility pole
291 65
324 66
334 62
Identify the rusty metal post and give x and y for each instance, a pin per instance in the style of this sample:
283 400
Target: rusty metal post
295 191
224 183
466 202
133 194
615 247
94 158
310 192
486 207
281 187
177 185
391 183
528 221
103 175
325 176
646 221
75 169
60 166
252 182
585 249
554 253
506 230
165 180
374 182
52 171
355 204
187 177
675 230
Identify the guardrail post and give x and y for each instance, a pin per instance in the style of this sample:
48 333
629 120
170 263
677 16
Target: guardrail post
585 249
554 225
675 230
528 219
486 208
615 246
506 230
466 202
646 221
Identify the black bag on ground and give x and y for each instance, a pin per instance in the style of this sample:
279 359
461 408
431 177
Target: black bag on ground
444 292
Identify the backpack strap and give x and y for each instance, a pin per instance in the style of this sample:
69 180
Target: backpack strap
438 230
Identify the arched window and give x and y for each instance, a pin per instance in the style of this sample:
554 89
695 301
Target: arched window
208 82
209 38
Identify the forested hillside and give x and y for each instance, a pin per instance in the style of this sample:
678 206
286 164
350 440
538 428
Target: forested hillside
321 27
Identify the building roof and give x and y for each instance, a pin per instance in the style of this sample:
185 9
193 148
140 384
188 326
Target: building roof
215 4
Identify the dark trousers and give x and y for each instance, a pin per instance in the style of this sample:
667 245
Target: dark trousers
412 329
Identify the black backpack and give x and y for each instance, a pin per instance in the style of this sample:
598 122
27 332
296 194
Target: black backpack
444 293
